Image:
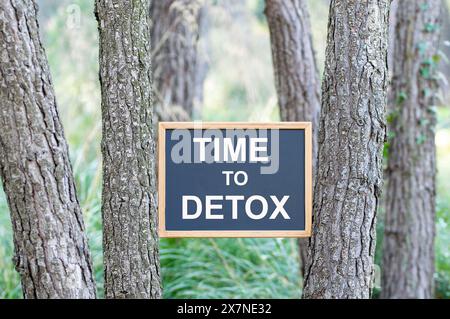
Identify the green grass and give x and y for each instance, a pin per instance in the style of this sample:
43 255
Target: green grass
230 268
442 276
442 244
9 278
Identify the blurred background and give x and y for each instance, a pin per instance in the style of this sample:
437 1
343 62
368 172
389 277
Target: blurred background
239 86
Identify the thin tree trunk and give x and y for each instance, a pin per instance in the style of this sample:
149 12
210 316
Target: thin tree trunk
130 238
445 48
296 76
51 248
392 19
178 68
351 137
408 254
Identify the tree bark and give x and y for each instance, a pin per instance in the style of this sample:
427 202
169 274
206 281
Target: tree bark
392 15
351 137
296 76
178 69
130 238
445 48
408 254
51 248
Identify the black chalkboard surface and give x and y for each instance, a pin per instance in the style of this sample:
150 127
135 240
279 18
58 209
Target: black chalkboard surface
235 179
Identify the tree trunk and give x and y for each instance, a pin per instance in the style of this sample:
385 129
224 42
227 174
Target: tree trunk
445 48
296 76
392 15
178 69
130 238
408 254
351 136
51 248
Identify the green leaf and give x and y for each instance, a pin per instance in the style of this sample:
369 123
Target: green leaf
425 72
386 150
401 97
436 58
423 122
421 139
431 27
422 46
390 135
429 62
424 6
392 116
432 109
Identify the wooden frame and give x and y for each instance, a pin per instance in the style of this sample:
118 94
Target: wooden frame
234 233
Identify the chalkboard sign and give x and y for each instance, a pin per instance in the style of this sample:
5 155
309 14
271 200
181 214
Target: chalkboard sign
235 179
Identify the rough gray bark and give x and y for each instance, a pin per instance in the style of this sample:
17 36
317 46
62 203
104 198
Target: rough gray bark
392 14
408 254
351 136
178 69
445 48
51 248
296 77
130 238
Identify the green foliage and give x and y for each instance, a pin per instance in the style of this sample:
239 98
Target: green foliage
442 243
441 56
425 71
401 97
239 85
424 6
392 116
230 268
442 276
9 278
257 8
436 58
390 135
424 122
420 139
431 27
432 109
386 151
422 46
387 145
